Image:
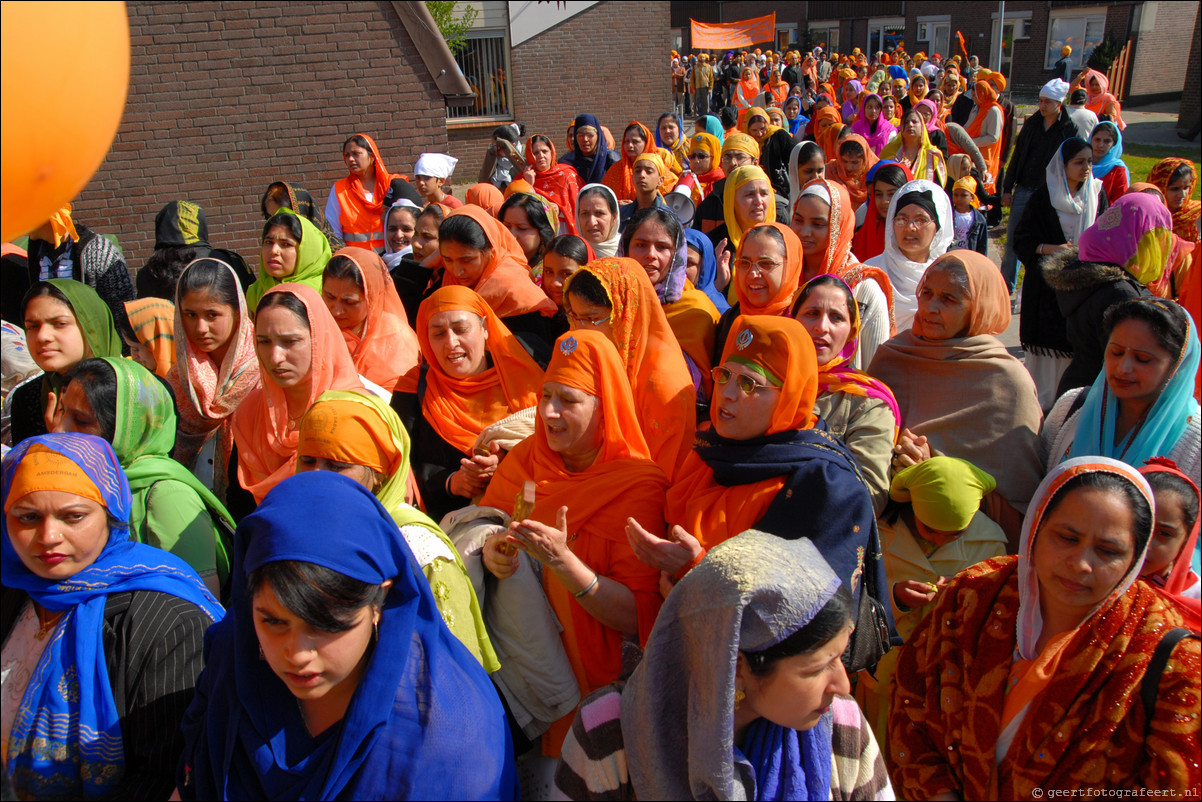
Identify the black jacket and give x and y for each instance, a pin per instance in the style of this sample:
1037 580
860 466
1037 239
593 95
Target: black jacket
1084 291
1034 149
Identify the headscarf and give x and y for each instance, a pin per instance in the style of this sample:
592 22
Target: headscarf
652 357
714 128
264 434
739 177
748 88
869 239
95 321
932 125
915 96
795 162
1162 426
180 224
620 177
741 142
558 184
876 136
850 90
62 227
610 246
505 282
989 84
969 185
312 254
748 594
57 736
713 146
928 164
421 704
1076 211
152 320
857 188
484 196
1055 89
827 139
459 409
790 275
944 492
707 271
352 185
435 165
904 274
206 394
591 169
837 375
769 131
300 200
1103 102
678 148
988 296
1185 219
393 258
387 349
1135 233
1178 582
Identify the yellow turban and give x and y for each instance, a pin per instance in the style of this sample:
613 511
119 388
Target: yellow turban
945 492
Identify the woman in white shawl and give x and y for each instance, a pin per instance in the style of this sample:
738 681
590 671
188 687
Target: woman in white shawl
597 219
806 162
400 223
918 230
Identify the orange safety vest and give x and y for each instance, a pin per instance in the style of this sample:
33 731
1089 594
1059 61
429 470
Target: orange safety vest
361 228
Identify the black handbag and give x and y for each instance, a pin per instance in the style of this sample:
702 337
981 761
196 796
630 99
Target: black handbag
871 639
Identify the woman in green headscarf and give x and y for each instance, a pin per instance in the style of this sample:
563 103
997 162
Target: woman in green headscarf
293 249
129 406
65 322
360 436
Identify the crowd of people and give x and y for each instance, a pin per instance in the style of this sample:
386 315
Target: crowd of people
681 464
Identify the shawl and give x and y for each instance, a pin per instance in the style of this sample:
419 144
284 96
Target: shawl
622 482
610 246
651 355
1185 219
904 274
484 196
1179 579
837 375
825 137
206 394
387 349
1164 423
1103 102
1085 729
932 125
746 90
393 258
1080 207
713 146
928 164
877 134
857 188
851 91
679 148
505 281
153 322
312 254
671 286
95 321
459 409
352 187
1113 157
968 395
66 737
714 128
559 184
620 177
300 200
591 169
265 436
421 704
708 269
790 276
1134 233
677 710
869 239
988 85
734 182
143 437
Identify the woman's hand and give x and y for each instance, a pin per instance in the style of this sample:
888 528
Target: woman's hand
528 175
912 594
722 279
911 449
669 556
474 474
500 556
54 413
547 544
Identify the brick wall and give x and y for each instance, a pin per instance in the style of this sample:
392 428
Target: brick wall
225 98
1168 42
1191 96
610 61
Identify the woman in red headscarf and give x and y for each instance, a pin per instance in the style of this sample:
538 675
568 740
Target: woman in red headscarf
556 182
355 209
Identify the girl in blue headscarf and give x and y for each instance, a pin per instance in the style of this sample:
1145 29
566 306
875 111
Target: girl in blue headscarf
1108 166
589 157
669 133
102 635
707 266
334 676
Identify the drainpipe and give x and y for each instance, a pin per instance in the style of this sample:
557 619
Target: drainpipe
1001 23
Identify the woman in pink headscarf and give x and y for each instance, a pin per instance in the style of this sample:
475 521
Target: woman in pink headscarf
872 125
1101 101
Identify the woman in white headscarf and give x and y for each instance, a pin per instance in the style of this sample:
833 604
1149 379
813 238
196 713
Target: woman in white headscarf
918 230
597 219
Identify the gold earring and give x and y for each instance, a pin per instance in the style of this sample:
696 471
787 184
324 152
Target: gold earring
739 697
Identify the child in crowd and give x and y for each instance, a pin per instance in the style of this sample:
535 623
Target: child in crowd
432 175
971 232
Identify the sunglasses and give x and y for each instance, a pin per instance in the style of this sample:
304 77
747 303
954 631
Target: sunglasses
745 383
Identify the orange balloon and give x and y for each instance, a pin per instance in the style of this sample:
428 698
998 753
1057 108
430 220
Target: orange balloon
65 74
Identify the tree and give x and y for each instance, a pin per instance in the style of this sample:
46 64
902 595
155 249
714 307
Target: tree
1104 54
453 30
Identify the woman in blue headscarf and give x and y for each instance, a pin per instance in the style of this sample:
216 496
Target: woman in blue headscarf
334 676
590 156
712 127
701 253
102 635
1106 142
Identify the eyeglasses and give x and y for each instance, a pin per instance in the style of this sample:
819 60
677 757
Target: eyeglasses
584 321
912 222
745 383
700 155
763 266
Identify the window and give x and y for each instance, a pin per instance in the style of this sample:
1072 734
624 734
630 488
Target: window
785 36
485 64
934 34
1079 28
825 34
885 35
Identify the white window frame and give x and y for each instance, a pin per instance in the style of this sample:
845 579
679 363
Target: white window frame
487 33
938 19
827 27
880 23
1079 56
787 27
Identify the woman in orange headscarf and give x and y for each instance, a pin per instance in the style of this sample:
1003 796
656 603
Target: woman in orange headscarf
636 140
591 468
855 159
360 294
355 209
761 290
1100 101
777 86
556 182
827 125
301 355
1175 179
746 90
986 122
475 373
705 170
614 295
484 196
